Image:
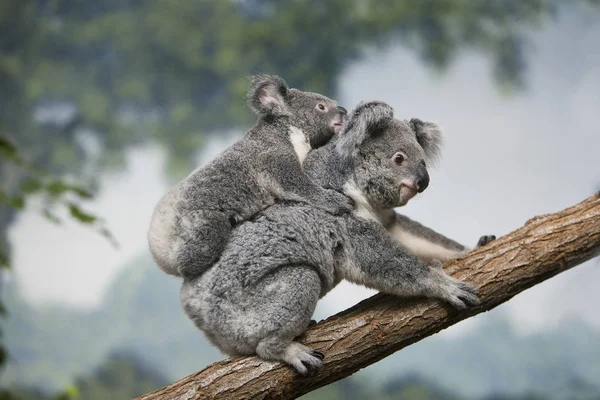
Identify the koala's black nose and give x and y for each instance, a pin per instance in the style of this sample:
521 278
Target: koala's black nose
342 110
424 181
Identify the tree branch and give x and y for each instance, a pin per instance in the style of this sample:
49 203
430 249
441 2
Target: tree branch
381 325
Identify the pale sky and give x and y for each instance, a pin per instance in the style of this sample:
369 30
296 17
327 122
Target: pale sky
505 160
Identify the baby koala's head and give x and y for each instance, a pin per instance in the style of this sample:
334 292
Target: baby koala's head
388 157
319 117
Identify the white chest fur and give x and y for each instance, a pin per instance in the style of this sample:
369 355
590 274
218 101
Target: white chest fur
424 249
300 143
363 208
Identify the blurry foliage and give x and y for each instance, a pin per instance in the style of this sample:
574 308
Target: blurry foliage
130 71
119 377
55 191
138 306
36 181
415 388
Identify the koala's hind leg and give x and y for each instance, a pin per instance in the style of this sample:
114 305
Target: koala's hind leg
203 236
285 302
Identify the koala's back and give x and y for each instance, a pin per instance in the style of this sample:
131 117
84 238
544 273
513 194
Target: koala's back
231 182
281 235
220 301
236 185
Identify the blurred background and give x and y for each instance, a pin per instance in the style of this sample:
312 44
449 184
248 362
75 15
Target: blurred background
104 105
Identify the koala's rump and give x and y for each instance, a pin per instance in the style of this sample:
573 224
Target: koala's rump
222 301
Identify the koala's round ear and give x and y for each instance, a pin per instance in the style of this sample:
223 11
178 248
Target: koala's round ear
429 136
366 119
267 95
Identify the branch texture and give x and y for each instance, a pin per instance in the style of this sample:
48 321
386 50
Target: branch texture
381 325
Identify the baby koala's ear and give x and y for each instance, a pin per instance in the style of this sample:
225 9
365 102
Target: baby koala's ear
365 120
429 136
267 95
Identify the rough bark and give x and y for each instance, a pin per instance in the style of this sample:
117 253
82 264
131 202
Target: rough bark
381 325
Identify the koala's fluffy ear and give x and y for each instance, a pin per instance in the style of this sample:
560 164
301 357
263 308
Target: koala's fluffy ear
366 119
429 136
267 95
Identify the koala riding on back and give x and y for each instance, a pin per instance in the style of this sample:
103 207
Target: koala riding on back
192 223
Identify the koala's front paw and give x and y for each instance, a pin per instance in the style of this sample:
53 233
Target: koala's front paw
462 295
485 239
459 294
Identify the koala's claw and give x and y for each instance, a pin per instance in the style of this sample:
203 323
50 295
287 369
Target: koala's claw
308 369
470 296
461 295
485 239
302 358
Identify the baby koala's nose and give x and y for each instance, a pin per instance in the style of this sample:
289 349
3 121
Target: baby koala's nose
342 110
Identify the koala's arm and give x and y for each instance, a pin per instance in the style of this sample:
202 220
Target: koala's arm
427 244
375 260
293 184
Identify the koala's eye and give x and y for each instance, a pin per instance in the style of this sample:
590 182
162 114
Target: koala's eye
321 106
398 158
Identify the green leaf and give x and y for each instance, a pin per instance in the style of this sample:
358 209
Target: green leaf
3 355
58 188
17 201
81 192
81 215
4 259
31 185
8 149
70 393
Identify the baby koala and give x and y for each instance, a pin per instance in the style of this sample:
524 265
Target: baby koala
192 223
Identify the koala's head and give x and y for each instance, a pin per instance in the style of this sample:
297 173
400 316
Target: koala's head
317 116
388 157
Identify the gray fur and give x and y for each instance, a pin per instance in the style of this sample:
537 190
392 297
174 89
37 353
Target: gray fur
384 184
267 95
429 136
260 295
366 117
263 291
191 224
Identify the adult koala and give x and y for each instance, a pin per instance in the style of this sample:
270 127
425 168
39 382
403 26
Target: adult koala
263 290
191 224
380 172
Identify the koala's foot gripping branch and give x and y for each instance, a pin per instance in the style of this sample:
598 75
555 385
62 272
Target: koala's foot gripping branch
382 325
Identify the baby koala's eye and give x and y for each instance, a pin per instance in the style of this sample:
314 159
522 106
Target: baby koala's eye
398 158
321 106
